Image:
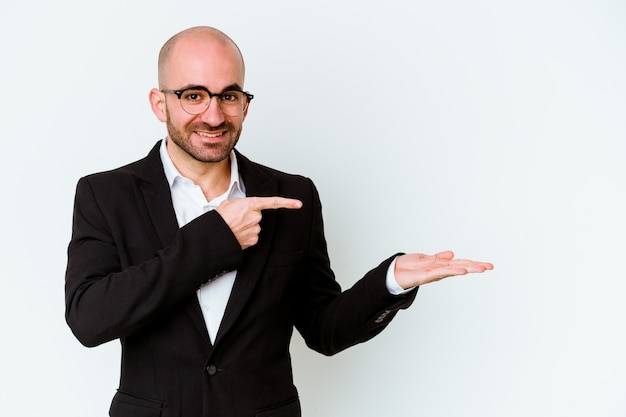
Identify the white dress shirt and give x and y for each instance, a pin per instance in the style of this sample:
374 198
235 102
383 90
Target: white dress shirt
189 202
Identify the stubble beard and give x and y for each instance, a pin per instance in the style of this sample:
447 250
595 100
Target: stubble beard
216 152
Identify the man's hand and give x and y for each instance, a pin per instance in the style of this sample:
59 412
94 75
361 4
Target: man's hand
243 215
417 269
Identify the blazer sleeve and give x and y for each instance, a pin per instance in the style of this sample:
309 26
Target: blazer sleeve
331 320
108 298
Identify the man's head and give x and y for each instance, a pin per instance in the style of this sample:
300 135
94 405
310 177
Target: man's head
207 58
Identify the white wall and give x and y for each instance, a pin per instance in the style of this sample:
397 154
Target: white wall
493 128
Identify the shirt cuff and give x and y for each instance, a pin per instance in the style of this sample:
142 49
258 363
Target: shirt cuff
392 284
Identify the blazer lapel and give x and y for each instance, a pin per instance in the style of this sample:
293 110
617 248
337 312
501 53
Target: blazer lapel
259 183
160 219
155 191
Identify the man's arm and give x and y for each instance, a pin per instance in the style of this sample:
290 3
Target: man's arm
331 320
107 295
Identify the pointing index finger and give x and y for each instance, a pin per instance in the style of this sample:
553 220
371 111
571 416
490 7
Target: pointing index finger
264 203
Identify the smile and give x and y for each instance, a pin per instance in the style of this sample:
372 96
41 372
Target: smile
210 135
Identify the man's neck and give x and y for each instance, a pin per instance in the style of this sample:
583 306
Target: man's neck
212 177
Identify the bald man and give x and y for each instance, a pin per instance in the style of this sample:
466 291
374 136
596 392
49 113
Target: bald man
201 262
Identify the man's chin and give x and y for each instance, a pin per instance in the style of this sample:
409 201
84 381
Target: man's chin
202 150
212 156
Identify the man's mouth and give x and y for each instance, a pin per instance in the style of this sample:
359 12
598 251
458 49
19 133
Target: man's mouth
210 135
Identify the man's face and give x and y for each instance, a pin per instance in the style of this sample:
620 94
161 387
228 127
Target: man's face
211 135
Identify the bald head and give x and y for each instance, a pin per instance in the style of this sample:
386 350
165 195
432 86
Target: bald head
199 39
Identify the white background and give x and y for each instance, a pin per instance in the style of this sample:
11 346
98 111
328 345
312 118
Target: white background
493 128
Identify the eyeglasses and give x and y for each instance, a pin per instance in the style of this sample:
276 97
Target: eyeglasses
195 100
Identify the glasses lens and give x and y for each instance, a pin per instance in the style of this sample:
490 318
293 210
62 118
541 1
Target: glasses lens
231 102
195 101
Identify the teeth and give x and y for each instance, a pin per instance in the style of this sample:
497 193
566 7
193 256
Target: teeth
209 135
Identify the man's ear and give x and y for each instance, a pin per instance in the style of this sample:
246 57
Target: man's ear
157 102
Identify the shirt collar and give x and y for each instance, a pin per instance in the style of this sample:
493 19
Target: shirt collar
171 173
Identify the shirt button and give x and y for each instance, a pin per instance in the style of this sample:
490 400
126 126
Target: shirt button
211 370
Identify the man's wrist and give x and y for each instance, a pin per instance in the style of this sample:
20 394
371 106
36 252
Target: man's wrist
392 285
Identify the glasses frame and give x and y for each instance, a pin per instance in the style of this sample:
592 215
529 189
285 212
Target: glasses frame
179 94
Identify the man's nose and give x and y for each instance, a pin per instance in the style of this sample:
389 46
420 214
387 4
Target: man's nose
213 115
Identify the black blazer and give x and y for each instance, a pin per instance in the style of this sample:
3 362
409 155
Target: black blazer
132 275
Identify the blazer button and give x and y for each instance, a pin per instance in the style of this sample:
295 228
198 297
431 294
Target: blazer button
382 317
211 370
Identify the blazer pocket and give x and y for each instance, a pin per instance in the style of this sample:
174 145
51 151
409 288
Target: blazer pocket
289 408
126 405
285 259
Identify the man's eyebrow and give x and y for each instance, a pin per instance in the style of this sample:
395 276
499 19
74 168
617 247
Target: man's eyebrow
201 87
233 87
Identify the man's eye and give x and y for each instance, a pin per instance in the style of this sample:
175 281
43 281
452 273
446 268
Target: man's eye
229 96
194 96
